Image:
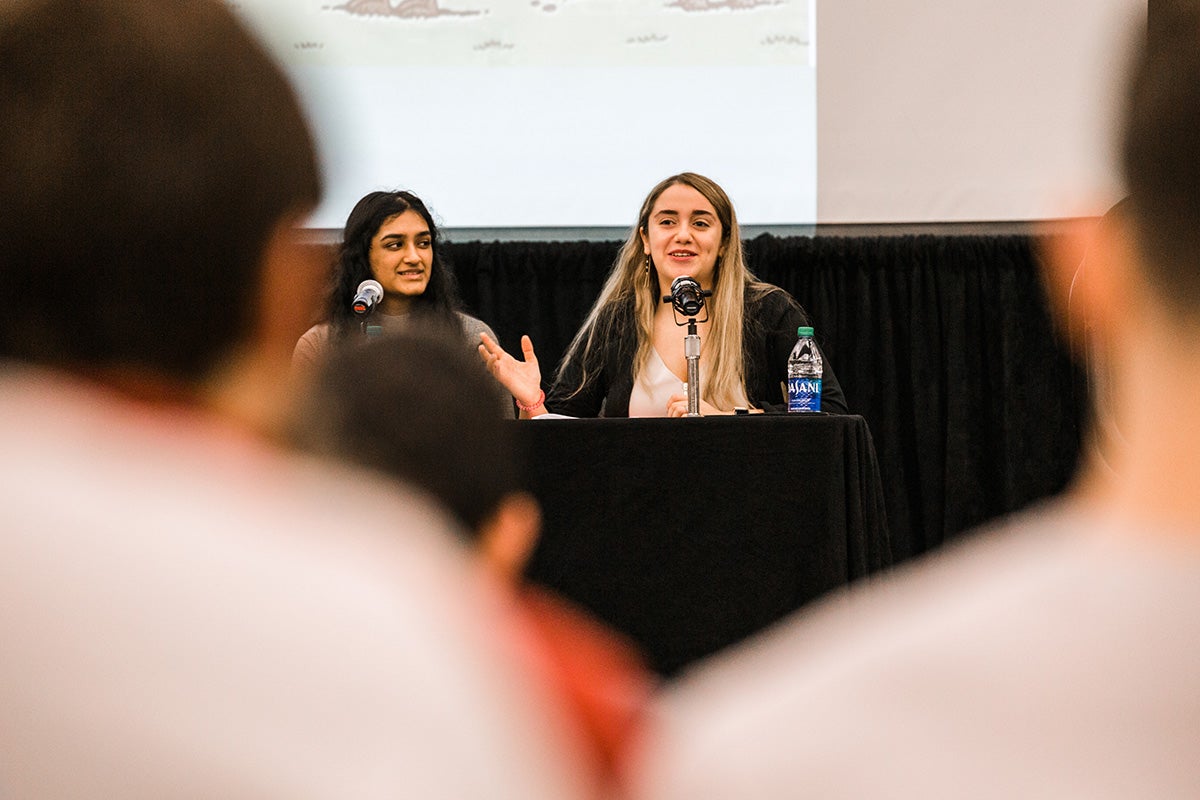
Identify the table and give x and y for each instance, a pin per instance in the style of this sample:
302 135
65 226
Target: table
690 534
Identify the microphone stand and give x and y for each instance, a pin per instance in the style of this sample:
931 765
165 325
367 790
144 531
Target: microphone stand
366 328
691 351
687 300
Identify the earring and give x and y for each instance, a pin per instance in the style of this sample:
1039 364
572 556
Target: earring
647 270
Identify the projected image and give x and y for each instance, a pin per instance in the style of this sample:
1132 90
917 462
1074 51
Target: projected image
406 8
535 32
553 113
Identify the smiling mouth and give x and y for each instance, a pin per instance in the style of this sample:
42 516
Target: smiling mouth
411 273
681 254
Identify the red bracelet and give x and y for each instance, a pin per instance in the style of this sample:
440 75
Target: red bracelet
541 399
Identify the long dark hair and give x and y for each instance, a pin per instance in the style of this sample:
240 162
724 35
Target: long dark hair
353 265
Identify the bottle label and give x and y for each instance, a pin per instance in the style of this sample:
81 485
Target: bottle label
804 395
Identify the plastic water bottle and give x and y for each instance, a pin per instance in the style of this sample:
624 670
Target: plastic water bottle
804 370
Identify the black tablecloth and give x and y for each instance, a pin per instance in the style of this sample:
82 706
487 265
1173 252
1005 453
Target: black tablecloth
690 534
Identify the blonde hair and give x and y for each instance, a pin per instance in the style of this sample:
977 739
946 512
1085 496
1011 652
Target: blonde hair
631 296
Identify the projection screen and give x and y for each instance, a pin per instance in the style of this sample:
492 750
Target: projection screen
563 113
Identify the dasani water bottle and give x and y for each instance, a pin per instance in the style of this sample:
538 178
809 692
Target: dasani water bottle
804 370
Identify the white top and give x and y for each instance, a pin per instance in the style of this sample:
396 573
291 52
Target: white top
1055 658
187 612
653 387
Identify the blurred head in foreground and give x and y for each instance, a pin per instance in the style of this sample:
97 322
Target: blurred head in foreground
1135 295
408 405
153 160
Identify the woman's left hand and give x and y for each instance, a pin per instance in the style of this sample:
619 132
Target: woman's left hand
677 406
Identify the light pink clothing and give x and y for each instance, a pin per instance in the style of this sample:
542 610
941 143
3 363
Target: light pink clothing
187 612
1054 658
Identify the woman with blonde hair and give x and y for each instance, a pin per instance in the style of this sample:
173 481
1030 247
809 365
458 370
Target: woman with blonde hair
628 357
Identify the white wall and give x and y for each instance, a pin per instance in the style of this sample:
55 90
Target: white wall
968 110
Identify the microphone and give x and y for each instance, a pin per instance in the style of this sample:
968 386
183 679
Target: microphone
687 296
369 294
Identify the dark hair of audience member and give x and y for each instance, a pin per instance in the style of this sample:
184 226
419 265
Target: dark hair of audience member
144 166
353 265
1159 158
409 405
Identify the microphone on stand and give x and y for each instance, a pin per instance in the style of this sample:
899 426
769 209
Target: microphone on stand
369 294
686 296
687 299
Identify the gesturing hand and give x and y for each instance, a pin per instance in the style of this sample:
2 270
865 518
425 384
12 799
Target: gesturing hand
523 379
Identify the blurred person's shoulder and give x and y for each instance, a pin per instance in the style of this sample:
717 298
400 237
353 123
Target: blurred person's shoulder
1051 632
325 615
312 347
473 326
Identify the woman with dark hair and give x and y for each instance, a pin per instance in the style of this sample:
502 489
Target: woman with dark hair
628 358
390 237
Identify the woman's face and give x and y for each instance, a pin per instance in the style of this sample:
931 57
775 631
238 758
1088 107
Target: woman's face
402 257
683 236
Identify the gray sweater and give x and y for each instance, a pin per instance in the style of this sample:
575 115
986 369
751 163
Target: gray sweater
317 342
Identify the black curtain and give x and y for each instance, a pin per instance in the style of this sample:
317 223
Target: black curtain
943 343
543 289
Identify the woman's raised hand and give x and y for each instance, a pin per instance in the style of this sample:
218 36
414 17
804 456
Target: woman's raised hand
523 379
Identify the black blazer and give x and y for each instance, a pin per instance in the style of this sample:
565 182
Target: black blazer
768 335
